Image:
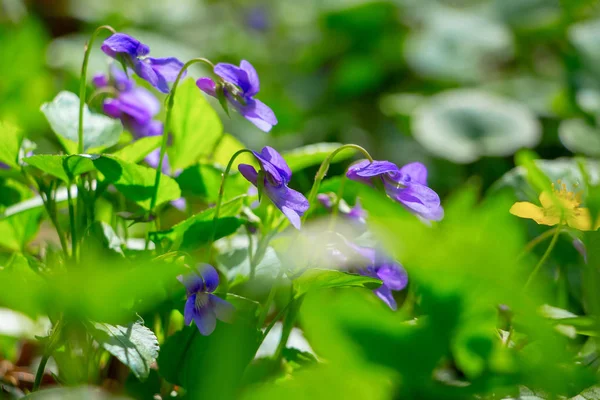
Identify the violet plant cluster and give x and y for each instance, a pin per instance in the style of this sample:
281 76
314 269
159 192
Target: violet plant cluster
132 90
237 86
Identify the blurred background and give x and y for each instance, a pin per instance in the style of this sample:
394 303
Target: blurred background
458 84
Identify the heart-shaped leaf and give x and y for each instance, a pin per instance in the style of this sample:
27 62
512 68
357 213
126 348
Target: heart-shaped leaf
99 131
134 345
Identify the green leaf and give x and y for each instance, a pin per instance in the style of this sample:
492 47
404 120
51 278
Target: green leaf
100 241
536 177
579 137
62 167
195 126
196 230
138 150
19 229
63 115
315 154
189 359
317 279
136 182
228 145
19 281
204 180
134 345
10 144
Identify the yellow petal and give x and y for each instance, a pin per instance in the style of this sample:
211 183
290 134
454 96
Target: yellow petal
546 200
525 209
581 221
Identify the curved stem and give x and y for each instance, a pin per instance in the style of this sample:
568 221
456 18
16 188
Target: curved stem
165 136
99 92
543 259
537 240
83 82
336 204
323 171
222 191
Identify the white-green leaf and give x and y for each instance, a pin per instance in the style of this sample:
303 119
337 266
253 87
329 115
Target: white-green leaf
464 125
134 345
195 126
446 48
579 137
63 115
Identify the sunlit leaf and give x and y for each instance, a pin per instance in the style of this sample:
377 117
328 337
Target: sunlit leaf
204 180
10 144
136 151
198 229
317 279
134 345
63 115
195 126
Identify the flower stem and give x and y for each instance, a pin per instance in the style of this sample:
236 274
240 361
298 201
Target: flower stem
537 240
40 372
52 342
165 136
83 82
323 171
543 259
336 204
72 223
265 311
288 325
222 192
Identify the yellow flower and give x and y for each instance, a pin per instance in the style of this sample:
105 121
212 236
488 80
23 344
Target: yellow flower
564 208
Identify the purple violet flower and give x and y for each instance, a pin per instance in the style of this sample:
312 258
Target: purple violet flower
391 273
240 85
355 214
276 175
159 72
203 307
406 185
133 105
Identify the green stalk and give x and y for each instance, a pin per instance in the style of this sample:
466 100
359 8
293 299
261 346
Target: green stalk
288 325
265 311
165 136
52 342
323 171
222 192
537 240
543 259
83 82
40 372
72 223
